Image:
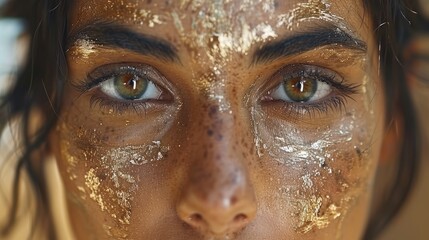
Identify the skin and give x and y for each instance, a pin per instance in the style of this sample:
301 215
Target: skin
216 156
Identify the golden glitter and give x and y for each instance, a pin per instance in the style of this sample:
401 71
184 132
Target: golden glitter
93 183
214 32
325 170
146 17
115 190
311 10
82 48
311 215
117 165
136 155
217 28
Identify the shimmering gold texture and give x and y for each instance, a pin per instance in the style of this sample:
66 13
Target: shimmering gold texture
112 182
221 27
311 215
147 18
316 150
311 10
92 182
83 49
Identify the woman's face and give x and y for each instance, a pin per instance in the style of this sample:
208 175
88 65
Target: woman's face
218 119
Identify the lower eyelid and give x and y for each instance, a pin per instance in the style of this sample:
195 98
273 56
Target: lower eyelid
100 101
292 111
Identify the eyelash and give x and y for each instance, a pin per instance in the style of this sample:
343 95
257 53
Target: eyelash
335 101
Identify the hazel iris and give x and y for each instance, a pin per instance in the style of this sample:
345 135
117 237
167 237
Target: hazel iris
130 86
300 89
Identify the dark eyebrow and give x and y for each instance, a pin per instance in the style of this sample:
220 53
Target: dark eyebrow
305 42
113 35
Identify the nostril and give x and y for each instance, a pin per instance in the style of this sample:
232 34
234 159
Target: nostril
196 218
239 218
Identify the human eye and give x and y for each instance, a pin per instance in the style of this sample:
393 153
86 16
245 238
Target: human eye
130 86
309 89
126 86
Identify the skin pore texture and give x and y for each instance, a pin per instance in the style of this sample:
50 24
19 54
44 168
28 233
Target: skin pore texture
213 147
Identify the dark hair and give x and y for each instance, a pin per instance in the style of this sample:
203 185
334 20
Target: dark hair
40 84
393 26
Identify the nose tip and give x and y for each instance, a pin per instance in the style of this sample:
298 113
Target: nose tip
229 216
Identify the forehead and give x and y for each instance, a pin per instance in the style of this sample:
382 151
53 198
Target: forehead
210 34
216 15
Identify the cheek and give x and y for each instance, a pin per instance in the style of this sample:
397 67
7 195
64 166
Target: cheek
102 180
321 168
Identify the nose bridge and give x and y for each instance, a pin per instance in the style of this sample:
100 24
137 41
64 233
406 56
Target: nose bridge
218 195
218 168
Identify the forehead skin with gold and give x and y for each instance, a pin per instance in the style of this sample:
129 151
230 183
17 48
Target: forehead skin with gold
258 119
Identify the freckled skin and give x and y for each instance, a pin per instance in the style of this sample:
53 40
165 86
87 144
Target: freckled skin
226 171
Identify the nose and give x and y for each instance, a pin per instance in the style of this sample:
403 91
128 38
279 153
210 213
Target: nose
218 198
218 211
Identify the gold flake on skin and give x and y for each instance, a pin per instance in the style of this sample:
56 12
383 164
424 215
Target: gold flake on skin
93 184
221 27
311 215
311 10
147 18
115 192
317 151
138 155
82 49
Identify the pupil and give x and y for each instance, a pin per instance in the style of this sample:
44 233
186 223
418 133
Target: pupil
300 89
130 86
300 86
